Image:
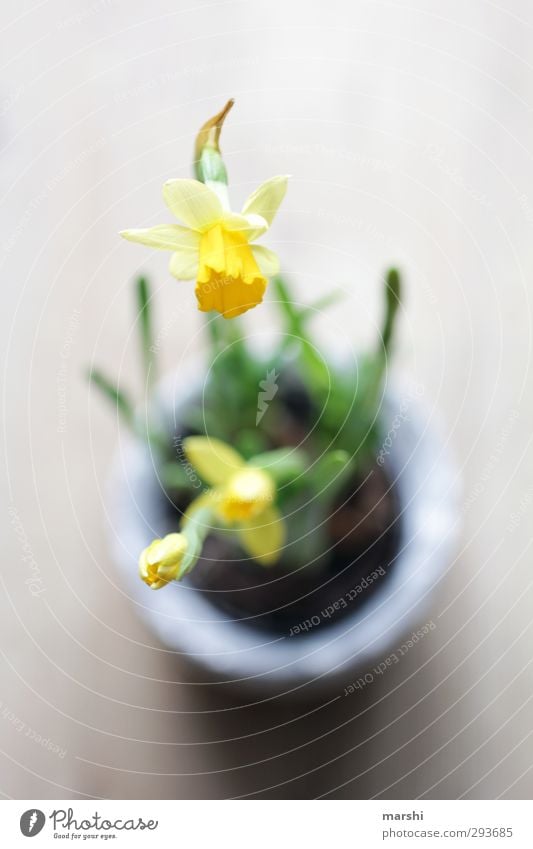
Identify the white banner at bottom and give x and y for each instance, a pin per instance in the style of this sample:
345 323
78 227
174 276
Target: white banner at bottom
264 824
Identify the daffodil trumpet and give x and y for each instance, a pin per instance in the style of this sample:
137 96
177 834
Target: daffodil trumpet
214 245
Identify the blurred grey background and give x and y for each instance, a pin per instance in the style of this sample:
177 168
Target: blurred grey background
408 131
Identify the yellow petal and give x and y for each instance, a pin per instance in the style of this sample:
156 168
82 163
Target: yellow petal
266 259
193 203
266 199
165 236
265 538
143 565
215 461
252 225
184 264
167 551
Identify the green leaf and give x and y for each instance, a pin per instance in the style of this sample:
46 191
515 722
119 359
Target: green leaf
308 541
283 464
174 476
113 394
286 305
329 474
214 331
393 292
250 441
314 370
231 389
323 303
145 325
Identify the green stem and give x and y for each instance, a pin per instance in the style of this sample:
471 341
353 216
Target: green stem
393 291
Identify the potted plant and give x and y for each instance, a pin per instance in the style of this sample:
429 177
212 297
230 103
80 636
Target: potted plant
291 512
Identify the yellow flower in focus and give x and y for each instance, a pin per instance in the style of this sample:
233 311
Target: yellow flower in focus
216 246
242 495
161 561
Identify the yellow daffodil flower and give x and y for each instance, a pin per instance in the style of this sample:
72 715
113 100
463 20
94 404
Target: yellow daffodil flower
161 561
241 495
216 245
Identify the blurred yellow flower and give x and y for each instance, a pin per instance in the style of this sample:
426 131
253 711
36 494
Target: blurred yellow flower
161 561
246 495
216 245
242 496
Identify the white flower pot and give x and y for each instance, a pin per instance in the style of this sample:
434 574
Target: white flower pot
325 658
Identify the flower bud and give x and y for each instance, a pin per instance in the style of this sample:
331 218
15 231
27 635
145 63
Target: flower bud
208 162
161 561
